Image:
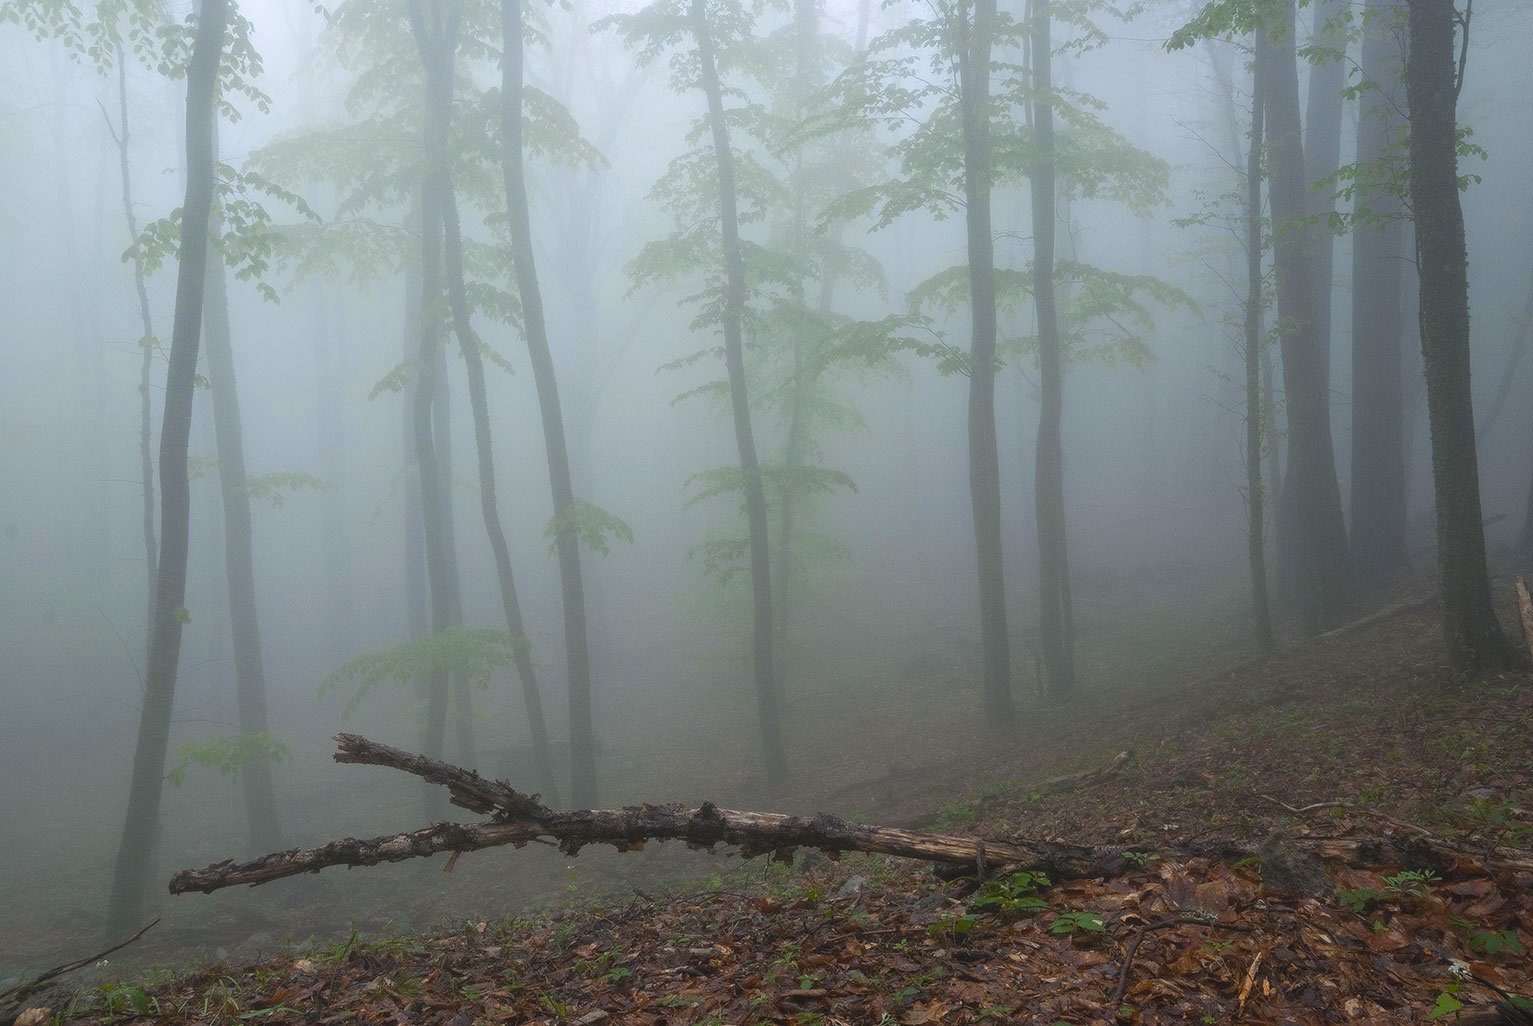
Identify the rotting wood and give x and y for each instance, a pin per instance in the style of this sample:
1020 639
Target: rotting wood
517 819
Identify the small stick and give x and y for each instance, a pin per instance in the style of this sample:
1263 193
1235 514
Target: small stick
1138 938
21 990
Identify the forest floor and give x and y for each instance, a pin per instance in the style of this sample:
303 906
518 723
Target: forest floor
1371 719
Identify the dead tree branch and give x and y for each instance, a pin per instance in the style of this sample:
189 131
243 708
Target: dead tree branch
517 819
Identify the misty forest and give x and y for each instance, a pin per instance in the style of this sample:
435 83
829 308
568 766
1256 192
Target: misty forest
814 512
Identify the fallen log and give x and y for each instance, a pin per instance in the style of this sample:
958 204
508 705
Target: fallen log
517 819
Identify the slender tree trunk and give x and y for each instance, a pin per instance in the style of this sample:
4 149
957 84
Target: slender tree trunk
806 32
1322 151
984 453
774 760
566 537
1056 616
147 343
441 419
1378 269
437 45
1471 630
417 618
1525 542
473 360
330 432
1255 499
1312 531
239 557
133 869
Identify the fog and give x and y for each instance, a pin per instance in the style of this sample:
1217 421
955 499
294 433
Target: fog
881 657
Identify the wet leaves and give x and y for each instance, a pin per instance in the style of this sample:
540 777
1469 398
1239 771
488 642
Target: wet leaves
1215 946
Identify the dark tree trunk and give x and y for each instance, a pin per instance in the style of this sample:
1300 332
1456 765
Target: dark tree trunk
1055 610
473 360
774 760
984 454
1312 533
147 343
566 538
1471 630
1255 499
134 867
239 556
1378 269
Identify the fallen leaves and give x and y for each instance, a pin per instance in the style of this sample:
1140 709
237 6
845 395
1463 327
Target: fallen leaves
1212 945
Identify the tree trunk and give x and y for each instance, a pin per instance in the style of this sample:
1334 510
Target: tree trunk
239 556
330 433
147 343
1255 499
806 21
1055 610
1378 269
473 360
566 536
1525 542
134 864
775 762
441 420
984 454
1312 531
1471 630
437 46
417 618
1322 151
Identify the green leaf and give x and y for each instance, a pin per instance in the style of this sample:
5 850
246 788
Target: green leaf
1447 1004
591 525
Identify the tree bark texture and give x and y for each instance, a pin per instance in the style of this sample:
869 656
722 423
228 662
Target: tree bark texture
534 326
1261 613
239 547
984 453
1312 535
135 853
1471 629
775 762
1055 609
1378 270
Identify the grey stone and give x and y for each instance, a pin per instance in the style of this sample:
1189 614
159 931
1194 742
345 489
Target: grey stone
1289 869
853 885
